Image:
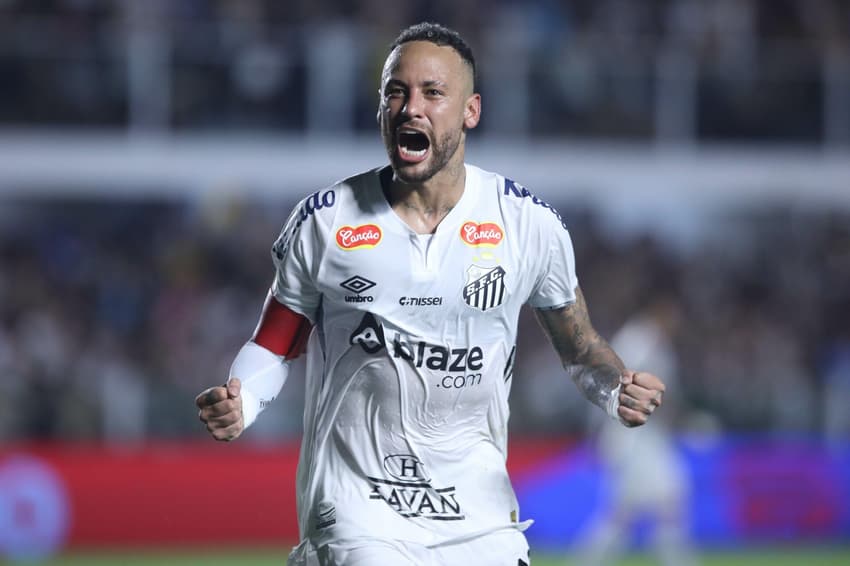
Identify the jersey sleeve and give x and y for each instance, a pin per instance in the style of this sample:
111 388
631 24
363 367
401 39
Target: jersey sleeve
556 281
296 255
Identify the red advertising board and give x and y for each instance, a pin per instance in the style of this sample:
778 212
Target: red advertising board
162 494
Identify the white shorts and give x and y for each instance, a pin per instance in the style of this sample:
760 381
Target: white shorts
506 547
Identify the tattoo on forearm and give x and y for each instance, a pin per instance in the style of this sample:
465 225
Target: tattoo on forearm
588 359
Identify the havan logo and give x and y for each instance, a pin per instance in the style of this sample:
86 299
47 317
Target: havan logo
410 493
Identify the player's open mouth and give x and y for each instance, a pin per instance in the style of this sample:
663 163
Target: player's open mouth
413 146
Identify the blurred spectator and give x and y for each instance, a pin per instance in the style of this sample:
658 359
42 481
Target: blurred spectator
647 478
747 69
146 300
143 302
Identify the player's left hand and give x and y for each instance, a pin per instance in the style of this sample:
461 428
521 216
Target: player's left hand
640 394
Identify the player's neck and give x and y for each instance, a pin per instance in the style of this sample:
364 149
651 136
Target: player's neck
422 206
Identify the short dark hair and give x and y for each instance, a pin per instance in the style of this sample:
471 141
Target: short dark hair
438 35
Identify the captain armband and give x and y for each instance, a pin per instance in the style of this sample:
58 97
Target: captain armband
262 364
281 330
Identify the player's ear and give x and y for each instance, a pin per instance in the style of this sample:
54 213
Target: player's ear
472 111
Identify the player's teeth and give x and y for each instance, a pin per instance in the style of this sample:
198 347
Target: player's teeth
414 153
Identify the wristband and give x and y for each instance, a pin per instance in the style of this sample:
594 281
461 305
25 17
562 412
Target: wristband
614 403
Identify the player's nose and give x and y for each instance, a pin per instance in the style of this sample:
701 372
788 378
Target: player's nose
414 105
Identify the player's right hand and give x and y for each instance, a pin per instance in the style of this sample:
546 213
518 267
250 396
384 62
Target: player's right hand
221 410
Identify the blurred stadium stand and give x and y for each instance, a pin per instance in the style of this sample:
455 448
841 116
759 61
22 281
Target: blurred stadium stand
150 151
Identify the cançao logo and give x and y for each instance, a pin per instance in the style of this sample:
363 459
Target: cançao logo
484 234
364 236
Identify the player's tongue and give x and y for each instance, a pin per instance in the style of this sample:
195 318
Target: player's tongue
413 146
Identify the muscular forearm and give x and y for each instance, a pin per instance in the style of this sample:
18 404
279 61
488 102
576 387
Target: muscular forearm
588 359
596 369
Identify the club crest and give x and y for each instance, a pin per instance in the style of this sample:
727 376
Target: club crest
485 287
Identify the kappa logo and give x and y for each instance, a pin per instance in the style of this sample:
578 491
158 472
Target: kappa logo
485 288
487 234
356 237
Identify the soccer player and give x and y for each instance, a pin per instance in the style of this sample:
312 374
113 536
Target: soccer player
647 477
409 280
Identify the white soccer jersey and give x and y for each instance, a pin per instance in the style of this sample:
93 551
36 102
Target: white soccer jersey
410 361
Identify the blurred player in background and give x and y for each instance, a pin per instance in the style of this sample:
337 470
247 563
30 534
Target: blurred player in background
648 481
409 279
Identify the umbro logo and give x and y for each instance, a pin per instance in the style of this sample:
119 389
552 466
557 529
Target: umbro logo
357 285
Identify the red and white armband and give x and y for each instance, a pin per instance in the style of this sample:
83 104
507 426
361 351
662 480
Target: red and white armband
262 364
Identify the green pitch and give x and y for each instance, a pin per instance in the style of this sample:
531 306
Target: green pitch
773 557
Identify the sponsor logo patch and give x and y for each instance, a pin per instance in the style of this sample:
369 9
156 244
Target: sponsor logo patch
410 492
369 334
356 237
358 285
487 234
420 301
485 288
405 467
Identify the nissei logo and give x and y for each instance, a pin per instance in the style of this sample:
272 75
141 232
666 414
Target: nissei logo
487 234
354 237
420 301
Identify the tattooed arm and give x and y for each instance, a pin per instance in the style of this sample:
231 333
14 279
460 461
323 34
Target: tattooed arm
596 369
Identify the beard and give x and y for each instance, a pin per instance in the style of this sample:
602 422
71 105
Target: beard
440 154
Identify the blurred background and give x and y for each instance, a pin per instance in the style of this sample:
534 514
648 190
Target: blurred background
699 151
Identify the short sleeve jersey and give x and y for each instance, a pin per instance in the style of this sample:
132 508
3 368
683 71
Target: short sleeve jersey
410 361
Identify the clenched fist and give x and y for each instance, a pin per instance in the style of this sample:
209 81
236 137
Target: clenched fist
221 410
640 394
